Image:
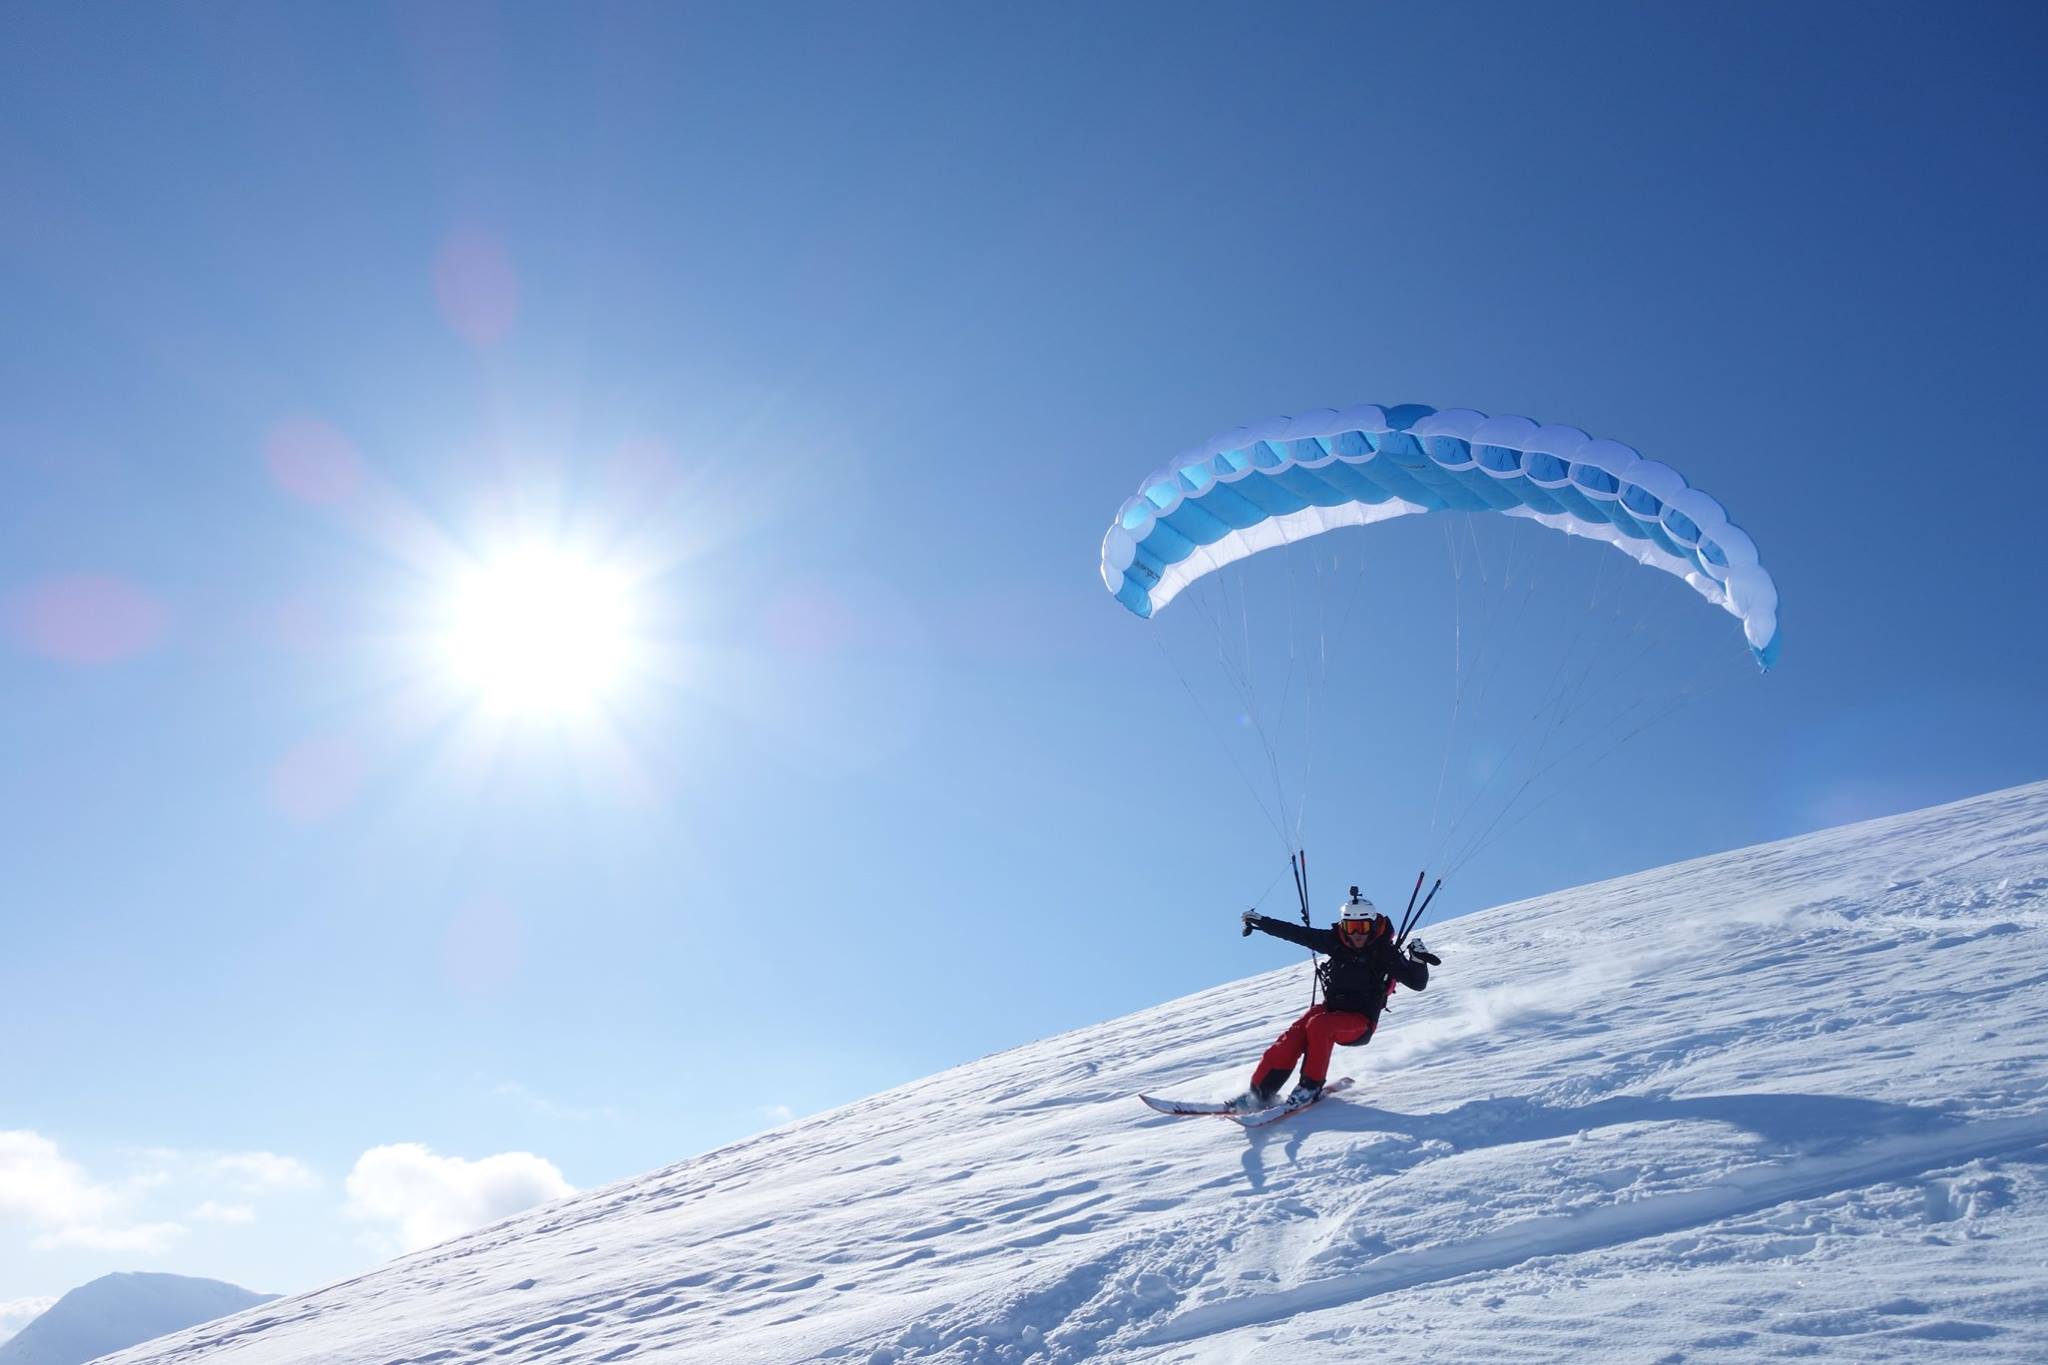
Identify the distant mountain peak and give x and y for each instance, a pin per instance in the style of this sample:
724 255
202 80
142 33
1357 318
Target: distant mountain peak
122 1310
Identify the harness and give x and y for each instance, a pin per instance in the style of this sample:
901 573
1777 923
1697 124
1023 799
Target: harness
1358 976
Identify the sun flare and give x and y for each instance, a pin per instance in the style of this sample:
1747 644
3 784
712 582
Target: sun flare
540 631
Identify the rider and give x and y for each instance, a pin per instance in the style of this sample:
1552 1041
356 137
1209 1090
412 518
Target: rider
1359 969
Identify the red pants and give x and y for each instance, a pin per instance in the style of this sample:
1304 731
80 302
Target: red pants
1308 1040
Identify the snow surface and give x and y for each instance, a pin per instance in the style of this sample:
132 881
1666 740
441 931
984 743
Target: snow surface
1787 1101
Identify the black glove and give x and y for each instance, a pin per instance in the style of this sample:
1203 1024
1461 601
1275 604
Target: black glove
1248 917
1422 954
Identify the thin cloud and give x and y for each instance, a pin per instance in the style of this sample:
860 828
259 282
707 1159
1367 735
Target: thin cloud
265 1171
141 1182
211 1212
547 1108
148 1238
427 1198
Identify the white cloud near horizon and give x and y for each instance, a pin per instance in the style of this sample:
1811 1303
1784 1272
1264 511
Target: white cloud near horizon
429 1198
39 1184
64 1206
16 1314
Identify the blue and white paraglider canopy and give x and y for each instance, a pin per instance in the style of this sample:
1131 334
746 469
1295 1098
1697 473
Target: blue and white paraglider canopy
1290 478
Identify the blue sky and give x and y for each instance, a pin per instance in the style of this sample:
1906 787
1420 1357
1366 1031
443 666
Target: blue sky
845 332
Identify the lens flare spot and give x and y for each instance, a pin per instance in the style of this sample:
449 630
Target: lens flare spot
87 619
476 288
313 461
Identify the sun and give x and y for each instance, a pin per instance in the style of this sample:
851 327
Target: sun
540 631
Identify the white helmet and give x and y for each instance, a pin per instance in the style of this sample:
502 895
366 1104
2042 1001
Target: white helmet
1357 908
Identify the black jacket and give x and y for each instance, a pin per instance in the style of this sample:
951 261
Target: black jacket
1352 981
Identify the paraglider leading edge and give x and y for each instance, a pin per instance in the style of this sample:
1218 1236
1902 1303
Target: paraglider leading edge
1288 478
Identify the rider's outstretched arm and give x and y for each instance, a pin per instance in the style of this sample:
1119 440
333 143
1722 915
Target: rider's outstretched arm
1318 940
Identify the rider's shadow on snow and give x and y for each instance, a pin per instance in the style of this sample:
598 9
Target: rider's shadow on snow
1806 1123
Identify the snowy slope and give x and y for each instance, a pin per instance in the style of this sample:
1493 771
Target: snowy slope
120 1310
1784 1101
